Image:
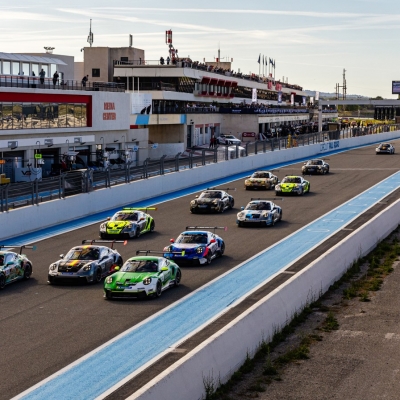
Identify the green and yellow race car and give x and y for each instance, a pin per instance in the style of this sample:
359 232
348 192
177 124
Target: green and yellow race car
14 266
128 223
292 185
143 276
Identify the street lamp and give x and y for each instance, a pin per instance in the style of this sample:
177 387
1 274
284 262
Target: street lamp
36 163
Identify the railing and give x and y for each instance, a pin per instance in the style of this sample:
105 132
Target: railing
14 195
34 82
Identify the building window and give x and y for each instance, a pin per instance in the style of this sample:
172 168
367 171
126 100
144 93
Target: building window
6 68
95 72
124 59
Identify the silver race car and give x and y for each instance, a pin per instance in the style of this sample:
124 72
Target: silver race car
259 212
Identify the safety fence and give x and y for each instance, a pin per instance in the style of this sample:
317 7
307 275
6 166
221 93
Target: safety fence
14 195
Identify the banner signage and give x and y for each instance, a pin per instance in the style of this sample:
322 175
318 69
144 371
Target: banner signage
227 110
141 103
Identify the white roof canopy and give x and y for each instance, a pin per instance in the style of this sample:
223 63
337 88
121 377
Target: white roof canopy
34 59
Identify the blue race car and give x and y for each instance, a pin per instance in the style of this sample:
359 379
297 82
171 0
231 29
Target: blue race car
196 245
261 212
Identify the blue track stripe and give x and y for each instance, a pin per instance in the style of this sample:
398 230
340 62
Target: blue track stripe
117 359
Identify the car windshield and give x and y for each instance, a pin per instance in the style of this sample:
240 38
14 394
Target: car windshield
140 266
230 137
211 195
125 217
89 253
1 260
259 205
314 162
384 146
291 179
260 175
192 238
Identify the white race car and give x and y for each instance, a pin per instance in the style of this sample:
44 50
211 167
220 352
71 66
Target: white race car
228 139
261 212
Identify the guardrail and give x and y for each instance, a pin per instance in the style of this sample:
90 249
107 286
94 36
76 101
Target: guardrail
15 195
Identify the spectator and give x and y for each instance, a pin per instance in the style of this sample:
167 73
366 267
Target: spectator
84 80
42 74
161 60
55 78
168 60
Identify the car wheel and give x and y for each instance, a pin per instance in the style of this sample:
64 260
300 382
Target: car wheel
246 187
119 262
209 255
193 211
152 226
222 249
102 236
221 208
137 232
28 271
109 295
301 192
178 277
309 189
280 216
327 171
158 289
2 281
97 276
231 204
273 221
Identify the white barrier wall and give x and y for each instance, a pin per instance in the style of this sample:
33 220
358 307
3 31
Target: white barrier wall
31 218
223 353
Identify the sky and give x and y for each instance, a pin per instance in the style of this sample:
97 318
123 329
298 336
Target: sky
312 42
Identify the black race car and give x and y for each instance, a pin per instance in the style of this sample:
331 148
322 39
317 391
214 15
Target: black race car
212 200
316 166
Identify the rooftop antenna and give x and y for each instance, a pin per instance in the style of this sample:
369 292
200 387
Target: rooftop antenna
219 52
90 37
49 49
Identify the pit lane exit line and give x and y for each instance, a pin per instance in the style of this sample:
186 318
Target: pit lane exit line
123 357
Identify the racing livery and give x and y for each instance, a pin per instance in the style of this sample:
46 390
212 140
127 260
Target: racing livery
228 139
315 167
143 276
196 245
261 180
87 263
261 212
292 185
14 266
128 223
212 200
385 148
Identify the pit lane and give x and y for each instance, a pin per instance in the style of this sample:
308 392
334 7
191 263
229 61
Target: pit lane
44 328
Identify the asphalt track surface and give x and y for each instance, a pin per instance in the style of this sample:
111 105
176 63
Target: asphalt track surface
44 328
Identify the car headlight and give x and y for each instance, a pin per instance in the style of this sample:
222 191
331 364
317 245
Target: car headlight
147 281
109 279
193 202
129 226
87 267
199 250
247 181
278 187
103 227
168 249
53 267
241 215
215 201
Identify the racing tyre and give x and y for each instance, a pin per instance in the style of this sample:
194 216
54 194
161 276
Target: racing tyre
109 296
280 216
193 211
222 249
158 289
273 222
309 189
327 171
119 262
152 226
209 255
102 236
178 278
221 208
97 276
2 281
301 193
137 232
28 271
231 204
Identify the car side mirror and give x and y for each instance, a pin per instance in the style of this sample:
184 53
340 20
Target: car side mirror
108 218
242 208
196 196
212 241
9 264
61 255
116 268
142 219
172 240
164 269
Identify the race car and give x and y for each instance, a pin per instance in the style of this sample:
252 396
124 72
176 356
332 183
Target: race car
316 166
212 200
385 148
128 223
87 263
143 276
261 180
196 245
261 212
14 266
292 185
228 139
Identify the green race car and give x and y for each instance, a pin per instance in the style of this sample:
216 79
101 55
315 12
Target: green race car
292 185
14 266
143 276
128 223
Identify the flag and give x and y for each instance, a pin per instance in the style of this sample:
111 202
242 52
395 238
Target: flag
274 64
266 61
263 59
270 61
259 58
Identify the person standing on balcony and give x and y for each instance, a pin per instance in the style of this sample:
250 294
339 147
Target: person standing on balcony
42 74
55 78
84 80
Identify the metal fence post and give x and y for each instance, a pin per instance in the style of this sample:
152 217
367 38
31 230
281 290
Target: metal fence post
215 155
272 145
191 159
162 164
226 153
177 162
146 168
264 146
37 190
203 157
256 147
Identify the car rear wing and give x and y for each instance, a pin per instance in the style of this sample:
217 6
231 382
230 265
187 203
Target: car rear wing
139 208
225 228
266 198
94 241
226 189
20 247
182 253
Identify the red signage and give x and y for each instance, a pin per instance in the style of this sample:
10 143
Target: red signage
249 134
107 116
